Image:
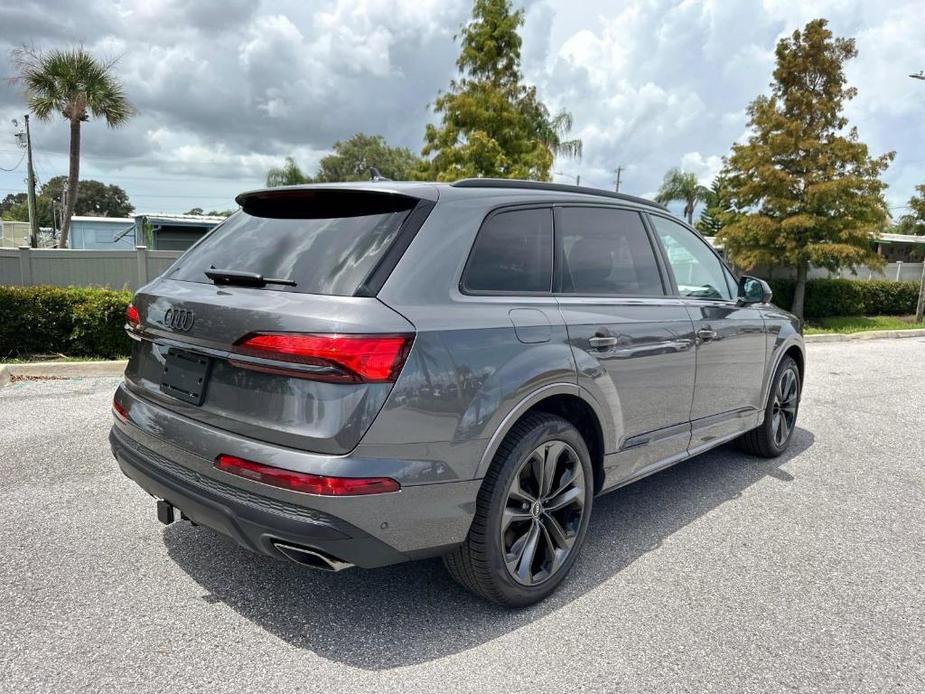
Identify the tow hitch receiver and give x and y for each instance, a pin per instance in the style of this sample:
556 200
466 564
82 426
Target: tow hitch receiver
166 513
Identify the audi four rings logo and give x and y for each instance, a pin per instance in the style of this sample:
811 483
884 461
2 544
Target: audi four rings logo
179 319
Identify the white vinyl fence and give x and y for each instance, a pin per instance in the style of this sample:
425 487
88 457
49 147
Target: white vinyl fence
78 268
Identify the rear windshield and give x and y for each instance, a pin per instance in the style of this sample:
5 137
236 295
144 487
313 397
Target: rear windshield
324 251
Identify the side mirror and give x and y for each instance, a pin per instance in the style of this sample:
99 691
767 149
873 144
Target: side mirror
753 290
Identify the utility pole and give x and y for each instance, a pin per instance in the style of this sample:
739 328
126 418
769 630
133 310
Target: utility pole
619 172
33 208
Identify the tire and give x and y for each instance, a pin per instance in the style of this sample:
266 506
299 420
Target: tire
769 440
511 518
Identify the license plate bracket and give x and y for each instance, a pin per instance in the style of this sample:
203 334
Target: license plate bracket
185 375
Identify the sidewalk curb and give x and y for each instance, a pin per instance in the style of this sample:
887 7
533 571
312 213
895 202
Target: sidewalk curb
63 369
867 335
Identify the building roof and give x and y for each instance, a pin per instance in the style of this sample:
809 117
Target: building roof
900 238
112 220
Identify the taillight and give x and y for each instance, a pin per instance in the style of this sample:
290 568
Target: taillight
120 412
339 358
132 317
304 482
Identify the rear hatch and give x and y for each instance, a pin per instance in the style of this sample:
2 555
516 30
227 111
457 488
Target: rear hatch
269 327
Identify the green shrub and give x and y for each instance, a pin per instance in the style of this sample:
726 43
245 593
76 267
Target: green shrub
844 297
77 322
886 298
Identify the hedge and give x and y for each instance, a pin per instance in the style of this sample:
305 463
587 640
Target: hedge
843 297
77 322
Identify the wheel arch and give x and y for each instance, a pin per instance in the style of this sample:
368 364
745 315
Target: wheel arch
573 404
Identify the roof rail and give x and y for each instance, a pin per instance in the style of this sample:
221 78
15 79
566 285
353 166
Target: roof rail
556 187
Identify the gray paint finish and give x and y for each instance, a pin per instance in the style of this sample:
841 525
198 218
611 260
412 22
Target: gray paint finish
659 391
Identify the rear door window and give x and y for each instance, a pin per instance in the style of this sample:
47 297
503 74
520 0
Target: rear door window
606 252
512 254
327 243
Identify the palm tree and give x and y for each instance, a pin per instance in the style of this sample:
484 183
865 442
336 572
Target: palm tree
75 84
289 174
556 128
683 186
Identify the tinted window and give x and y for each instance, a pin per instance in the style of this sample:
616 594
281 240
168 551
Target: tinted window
512 253
606 252
325 255
697 270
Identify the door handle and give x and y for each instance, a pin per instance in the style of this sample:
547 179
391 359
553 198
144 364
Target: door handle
600 342
706 334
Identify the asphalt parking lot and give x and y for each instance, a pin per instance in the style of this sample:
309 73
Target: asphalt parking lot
725 573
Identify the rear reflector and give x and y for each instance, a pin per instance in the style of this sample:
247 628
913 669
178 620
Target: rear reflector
132 317
340 358
120 412
304 482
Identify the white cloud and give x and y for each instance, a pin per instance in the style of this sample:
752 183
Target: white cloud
224 88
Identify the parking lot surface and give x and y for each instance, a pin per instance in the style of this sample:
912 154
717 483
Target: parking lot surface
724 573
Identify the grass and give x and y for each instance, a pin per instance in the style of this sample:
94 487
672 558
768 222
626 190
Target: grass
858 324
33 358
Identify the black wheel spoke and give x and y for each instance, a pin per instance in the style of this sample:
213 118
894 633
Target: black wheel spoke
555 532
524 563
513 515
569 496
518 493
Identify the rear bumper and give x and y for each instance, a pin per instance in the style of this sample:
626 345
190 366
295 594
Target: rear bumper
251 521
369 531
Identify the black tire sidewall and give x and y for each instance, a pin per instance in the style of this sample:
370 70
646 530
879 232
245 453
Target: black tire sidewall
549 428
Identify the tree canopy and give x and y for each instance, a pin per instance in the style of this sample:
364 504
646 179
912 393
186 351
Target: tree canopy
807 189
94 198
717 207
289 174
492 124
683 186
352 160
913 222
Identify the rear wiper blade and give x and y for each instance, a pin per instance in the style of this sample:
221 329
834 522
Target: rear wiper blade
241 278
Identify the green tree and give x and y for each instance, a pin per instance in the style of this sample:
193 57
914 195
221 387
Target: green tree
913 222
491 123
717 207
810 191
94 198
75 84
352 159
11 201
683 186
289 174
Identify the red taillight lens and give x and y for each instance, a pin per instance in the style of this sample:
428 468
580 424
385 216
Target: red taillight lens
120 412
304 482
132 317
350 358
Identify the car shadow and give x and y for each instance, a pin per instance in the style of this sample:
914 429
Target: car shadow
412 613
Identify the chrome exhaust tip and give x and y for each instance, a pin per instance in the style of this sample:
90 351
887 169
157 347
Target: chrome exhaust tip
311 558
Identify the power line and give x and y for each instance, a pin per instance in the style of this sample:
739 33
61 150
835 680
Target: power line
152 195
17 164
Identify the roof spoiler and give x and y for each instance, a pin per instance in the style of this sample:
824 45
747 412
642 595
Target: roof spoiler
295 202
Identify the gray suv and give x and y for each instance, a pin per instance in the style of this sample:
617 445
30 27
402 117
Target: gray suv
364 374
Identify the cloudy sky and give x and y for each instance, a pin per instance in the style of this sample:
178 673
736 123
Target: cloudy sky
226 88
